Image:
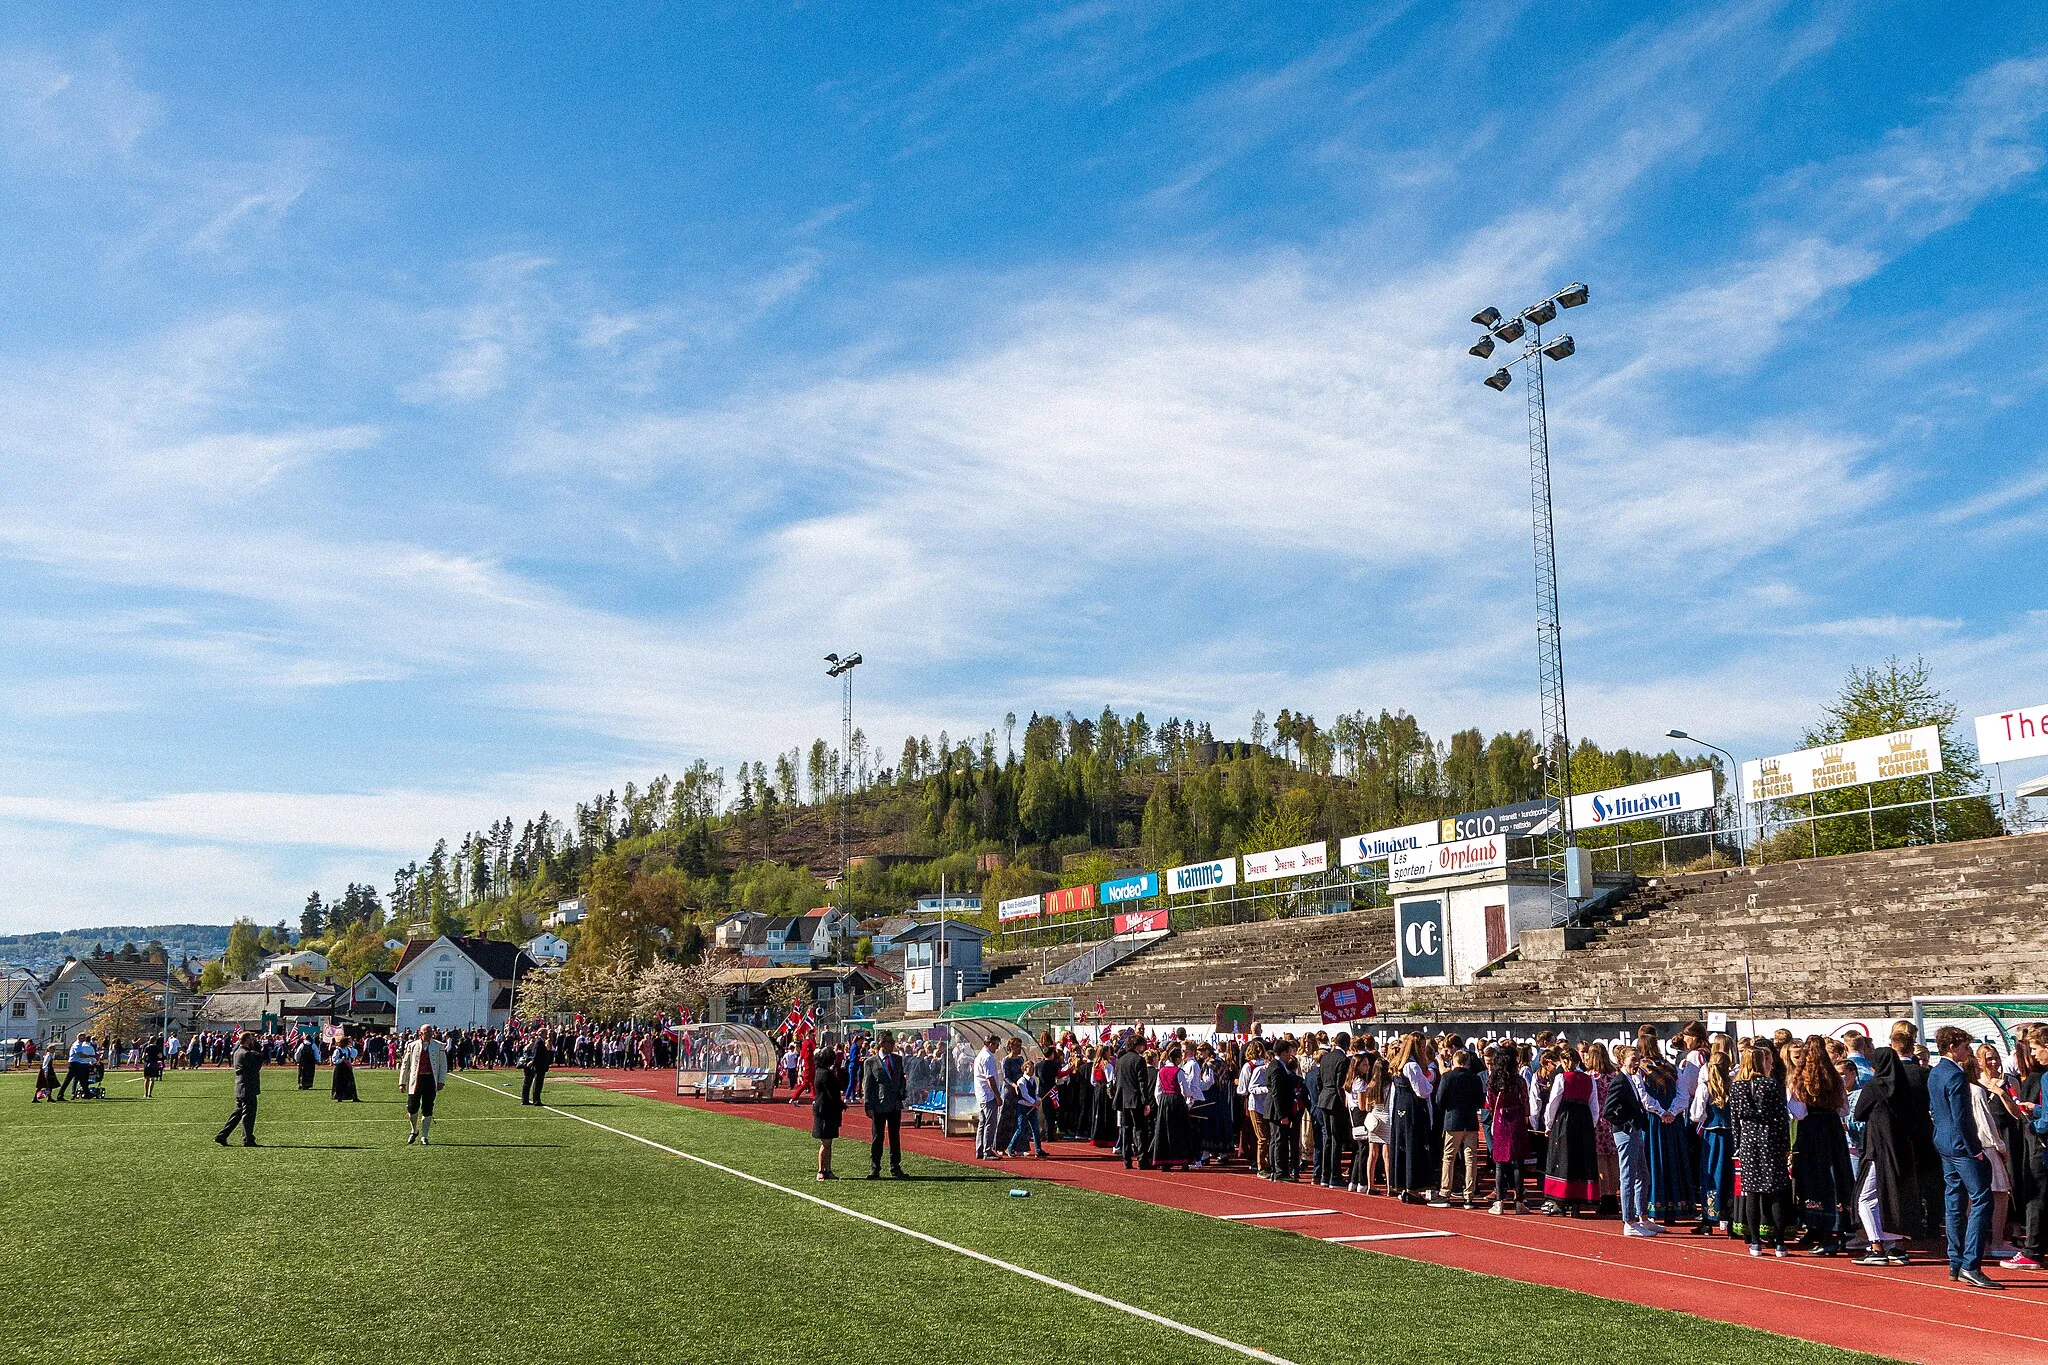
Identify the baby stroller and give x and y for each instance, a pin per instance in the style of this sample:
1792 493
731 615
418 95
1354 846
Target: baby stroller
96 1082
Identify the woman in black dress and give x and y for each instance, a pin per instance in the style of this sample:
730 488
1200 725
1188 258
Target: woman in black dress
828 1103
1823 1181
344 1082
1412 1173
1762 1129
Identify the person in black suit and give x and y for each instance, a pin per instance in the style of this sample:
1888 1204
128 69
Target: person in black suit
1133 1100
1966 1175
1913 1128
885 1089
533 1067
1284 1099
1333 1127
308 1057
248 1085
828 1102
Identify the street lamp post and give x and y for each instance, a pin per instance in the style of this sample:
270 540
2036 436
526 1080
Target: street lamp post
1527 327
1735 784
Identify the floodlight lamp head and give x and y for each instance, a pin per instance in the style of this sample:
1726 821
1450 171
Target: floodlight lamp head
1482 347
1560 348
831 658
1511 330
1486 317
1542 313
1571 296
1676 734
852 659
1499 380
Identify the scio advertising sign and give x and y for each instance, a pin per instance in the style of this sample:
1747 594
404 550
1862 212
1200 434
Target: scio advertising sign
1421 935
1072 898
1884 758
1367 848
1287 862
1518 821
1444 860
1180 881
2019 733
1018 907
1139 888
1645 800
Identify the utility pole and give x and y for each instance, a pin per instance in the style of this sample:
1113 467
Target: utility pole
843 670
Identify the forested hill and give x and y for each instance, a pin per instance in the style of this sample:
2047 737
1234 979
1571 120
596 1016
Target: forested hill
43 953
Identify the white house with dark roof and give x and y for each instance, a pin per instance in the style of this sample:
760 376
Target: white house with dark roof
457 982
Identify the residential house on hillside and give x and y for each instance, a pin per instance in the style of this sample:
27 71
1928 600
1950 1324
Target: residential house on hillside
731 932
371 1002
458 982
261 1003
547 948
301 962
21 1005
797 940
566 913
67 998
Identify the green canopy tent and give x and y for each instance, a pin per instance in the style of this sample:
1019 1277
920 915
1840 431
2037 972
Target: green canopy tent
1053 1012
2000 1010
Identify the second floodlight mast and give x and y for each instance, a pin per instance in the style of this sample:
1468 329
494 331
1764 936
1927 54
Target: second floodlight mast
1556 753
843 669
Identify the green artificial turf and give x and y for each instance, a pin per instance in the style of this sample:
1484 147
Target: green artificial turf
523 1236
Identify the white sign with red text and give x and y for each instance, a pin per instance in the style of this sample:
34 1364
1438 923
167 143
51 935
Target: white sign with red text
1287 862
2019 733
1446 860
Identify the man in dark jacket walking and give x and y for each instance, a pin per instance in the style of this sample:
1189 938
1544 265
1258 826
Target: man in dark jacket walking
308 1057
1133 1099
884 1088
1332 1126
248 1085
533 1067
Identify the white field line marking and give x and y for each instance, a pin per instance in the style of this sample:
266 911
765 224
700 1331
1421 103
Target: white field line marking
1274 1213
1390 1237
1226 1343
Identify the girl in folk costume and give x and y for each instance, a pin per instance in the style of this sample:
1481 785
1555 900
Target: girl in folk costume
1412 1172
1709 1116
1571 1169
1761 1126
1102 1095
1671 1175
1507 1127
1886 1201
1593 1057
1171 1140
1823 1180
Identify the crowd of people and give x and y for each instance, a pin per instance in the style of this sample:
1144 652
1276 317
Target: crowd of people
1826 1146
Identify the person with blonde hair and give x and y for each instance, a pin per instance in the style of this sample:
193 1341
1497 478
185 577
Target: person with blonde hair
1761 1127
1709 1116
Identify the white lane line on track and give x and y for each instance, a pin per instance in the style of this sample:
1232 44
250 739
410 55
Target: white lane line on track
970 1253
1274 1213
1390 1237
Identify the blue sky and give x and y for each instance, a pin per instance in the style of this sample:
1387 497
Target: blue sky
418 421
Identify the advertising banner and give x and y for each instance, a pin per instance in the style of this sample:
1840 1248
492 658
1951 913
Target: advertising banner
1201 876
1141 922
1518 821
1233 1020
2009 735
1883 758
1421 939
1139 888
1442 860
1644 800
1365 848
1343 1001
1298 861
1017 907
1072 898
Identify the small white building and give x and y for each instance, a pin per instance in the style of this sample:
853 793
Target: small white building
304 962
941 965
546 947
457 982
21 1005
566 913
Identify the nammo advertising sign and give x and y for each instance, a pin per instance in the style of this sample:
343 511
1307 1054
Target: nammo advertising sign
1182 881
1018 907
1644 800
1070 899
1142 887
2008 735
1445 860
1366 848
1287 862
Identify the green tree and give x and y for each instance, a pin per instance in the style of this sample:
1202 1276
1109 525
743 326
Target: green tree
244 952
312 919
213 976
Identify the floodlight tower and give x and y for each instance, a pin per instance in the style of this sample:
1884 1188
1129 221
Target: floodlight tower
1527 327
843 670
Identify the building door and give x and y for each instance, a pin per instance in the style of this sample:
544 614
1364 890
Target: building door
1496 932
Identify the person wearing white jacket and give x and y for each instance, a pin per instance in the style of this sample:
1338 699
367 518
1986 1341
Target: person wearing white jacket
421 1074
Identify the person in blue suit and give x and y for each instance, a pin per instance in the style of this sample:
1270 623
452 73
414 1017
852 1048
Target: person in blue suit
1966 1175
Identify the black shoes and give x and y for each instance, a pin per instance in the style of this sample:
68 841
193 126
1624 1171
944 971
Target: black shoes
221 1138
1976 1278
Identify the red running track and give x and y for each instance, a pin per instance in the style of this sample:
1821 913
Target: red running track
1913 1313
